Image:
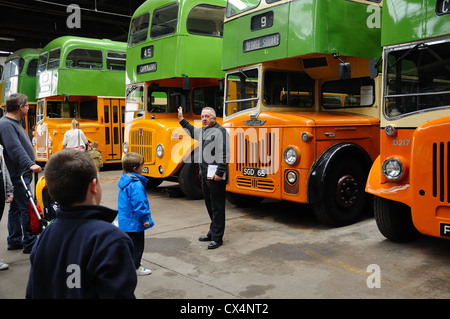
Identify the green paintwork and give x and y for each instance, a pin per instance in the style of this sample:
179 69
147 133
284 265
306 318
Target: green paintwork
306 26
22 83
179 53
83 82
412 20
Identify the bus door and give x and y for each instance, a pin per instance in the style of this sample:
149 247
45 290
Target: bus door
113 119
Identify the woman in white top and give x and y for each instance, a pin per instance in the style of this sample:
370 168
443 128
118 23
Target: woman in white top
74 138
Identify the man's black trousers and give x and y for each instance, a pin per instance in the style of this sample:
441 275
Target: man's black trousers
215 194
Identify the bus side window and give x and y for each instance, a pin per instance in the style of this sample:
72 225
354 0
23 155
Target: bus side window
88 110
106 112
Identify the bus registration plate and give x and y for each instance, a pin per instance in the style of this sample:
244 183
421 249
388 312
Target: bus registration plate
442 7
445 229
255 172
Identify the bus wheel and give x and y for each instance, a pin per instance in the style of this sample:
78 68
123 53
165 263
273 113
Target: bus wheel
241 200
154 182
344 198
189 181
394 220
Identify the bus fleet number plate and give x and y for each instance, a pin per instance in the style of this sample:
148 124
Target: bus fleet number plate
255 172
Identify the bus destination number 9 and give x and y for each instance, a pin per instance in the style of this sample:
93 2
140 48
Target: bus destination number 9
255 172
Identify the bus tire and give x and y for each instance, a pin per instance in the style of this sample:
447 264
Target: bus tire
189 181
153 182
344 199
394 220
241 200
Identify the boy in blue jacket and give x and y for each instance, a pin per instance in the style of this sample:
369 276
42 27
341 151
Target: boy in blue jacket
80 254
134 209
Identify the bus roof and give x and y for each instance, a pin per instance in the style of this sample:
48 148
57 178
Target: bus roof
97 68
172 49
412 20
26 53
295 28
69 42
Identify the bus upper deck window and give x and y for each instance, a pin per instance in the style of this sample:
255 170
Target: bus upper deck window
139 29
32 68
116 61
42 65
53 59
164 21
13 67
84 59
206 19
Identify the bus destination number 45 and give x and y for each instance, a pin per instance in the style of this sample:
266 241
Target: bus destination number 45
255 172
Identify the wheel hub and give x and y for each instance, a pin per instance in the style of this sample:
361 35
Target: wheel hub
347 191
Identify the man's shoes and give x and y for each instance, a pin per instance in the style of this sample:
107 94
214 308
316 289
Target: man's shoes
204 238
214 244
15 247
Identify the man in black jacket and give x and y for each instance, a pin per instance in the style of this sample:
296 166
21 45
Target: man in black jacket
214 154
80 255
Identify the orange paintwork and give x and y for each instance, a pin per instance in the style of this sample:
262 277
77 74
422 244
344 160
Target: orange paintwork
426 186
107 130
326 129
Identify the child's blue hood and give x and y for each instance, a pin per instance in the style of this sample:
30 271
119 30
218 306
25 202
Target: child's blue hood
127 178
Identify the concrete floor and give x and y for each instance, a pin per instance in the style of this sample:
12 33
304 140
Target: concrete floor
276 250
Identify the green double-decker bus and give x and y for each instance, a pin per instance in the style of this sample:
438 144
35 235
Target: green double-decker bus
81 79
174 59
19 76
300 106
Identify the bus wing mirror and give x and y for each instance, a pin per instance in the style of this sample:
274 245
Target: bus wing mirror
344 71
66 97
186 83
344 67
373 68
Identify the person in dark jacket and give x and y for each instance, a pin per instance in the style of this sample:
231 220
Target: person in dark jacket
213 140
80 254
19 158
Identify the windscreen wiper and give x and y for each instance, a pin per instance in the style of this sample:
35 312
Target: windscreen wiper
417 46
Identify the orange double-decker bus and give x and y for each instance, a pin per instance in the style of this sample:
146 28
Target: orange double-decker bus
173 59
300 106
411 177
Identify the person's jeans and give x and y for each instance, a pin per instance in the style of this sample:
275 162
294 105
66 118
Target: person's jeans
18 220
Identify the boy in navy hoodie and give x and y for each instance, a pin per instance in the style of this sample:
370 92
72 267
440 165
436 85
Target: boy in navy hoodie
80 254
134 209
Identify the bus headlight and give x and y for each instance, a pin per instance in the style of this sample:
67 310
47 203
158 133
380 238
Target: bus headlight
290 155
125 147
159 150
291 177
392 169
